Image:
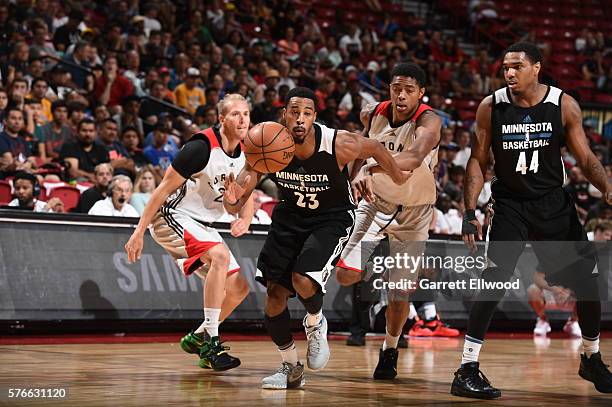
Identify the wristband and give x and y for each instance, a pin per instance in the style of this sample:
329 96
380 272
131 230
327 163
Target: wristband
469 215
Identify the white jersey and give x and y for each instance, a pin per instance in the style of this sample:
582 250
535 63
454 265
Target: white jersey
201 196
420 189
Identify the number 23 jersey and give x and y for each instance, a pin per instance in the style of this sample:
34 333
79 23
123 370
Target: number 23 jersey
316 185
527 144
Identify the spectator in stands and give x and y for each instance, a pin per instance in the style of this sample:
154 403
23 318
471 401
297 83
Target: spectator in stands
370 82
464 82
188 95
449 52
40 47
463 155
26 191
39 91
116 204
146 181
578 188
15 153
271 81
593 70
602 232
83 154
206 117
112 87
162 151
68 33
118 154
103 174
52 135
130 114
17 65
266 110
450 220
288 43
76 113
131 140
77 64
351 41
454 186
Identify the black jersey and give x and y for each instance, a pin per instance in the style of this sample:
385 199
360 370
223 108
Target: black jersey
526 144
316 185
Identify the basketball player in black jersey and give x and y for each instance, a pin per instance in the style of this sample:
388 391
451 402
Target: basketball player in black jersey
310 227
526 124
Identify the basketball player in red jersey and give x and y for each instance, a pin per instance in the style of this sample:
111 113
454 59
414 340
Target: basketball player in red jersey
411 130
310 227
181 224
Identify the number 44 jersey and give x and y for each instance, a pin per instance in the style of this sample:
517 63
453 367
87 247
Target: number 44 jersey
527 144
316 185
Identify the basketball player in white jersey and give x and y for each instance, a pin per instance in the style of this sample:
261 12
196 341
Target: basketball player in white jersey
411 130
181 211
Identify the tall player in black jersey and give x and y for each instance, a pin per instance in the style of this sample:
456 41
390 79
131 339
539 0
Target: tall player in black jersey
310 227
526 124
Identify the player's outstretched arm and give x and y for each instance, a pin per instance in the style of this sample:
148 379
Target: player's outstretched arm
351 146
171 182
474 174
364 116
427 138
579 146
238 189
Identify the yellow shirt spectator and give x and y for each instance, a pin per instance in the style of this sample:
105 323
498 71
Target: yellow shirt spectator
188 96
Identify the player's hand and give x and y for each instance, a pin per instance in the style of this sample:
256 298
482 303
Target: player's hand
133 247
362 187
239 227
234 191
470 229
562 295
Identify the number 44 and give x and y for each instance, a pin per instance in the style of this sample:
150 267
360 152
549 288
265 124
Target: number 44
521 165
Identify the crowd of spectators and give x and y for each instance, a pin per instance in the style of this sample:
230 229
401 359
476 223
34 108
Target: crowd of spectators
94 90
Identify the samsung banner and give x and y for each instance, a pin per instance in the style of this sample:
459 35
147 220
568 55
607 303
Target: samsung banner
74 267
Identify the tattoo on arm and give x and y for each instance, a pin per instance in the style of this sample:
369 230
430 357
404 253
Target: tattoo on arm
472 188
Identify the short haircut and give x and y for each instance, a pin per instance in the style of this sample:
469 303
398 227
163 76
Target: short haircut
86 120
27 176
409 70
39 79
301 92
10 109
19 80
57 104
120 178
230 97
107 120
603 226
76 107
100 167
529 48
32 101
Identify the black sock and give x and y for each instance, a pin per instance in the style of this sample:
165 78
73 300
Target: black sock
588 306
279 328
313 304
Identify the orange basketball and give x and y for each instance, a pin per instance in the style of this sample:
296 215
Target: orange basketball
269 147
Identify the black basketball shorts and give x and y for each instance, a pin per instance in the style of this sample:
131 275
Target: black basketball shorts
308 245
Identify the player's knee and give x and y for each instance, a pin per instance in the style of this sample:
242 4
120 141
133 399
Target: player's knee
303 284
219 256
347 277
276 299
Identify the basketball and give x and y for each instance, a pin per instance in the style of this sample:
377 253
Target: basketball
269 147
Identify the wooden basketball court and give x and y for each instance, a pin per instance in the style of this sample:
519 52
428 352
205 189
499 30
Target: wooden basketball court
156 374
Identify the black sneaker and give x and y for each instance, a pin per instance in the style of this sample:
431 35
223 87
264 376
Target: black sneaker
403 342
594 370
471 382
214 356
355 340
386 369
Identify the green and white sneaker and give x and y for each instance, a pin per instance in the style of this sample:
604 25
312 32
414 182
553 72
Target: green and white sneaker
193 342
213 355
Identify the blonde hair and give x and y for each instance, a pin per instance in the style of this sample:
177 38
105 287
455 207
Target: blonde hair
141 173
230 97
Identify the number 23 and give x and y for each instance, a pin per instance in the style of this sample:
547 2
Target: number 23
312 200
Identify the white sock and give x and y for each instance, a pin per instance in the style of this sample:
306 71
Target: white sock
314 319
590 345
289 353
429 308
471 349
211 321
412 314
390 341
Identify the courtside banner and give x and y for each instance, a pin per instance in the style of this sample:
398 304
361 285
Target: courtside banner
73 267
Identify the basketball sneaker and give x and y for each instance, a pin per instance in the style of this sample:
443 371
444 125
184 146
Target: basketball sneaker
572 328
386 369
289 376
193 342
471 382
213 355
594 370
438 328
419 329
318 353
542 327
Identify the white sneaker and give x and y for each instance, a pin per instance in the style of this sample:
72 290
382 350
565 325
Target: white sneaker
542 327
288 376
572 328
318 353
